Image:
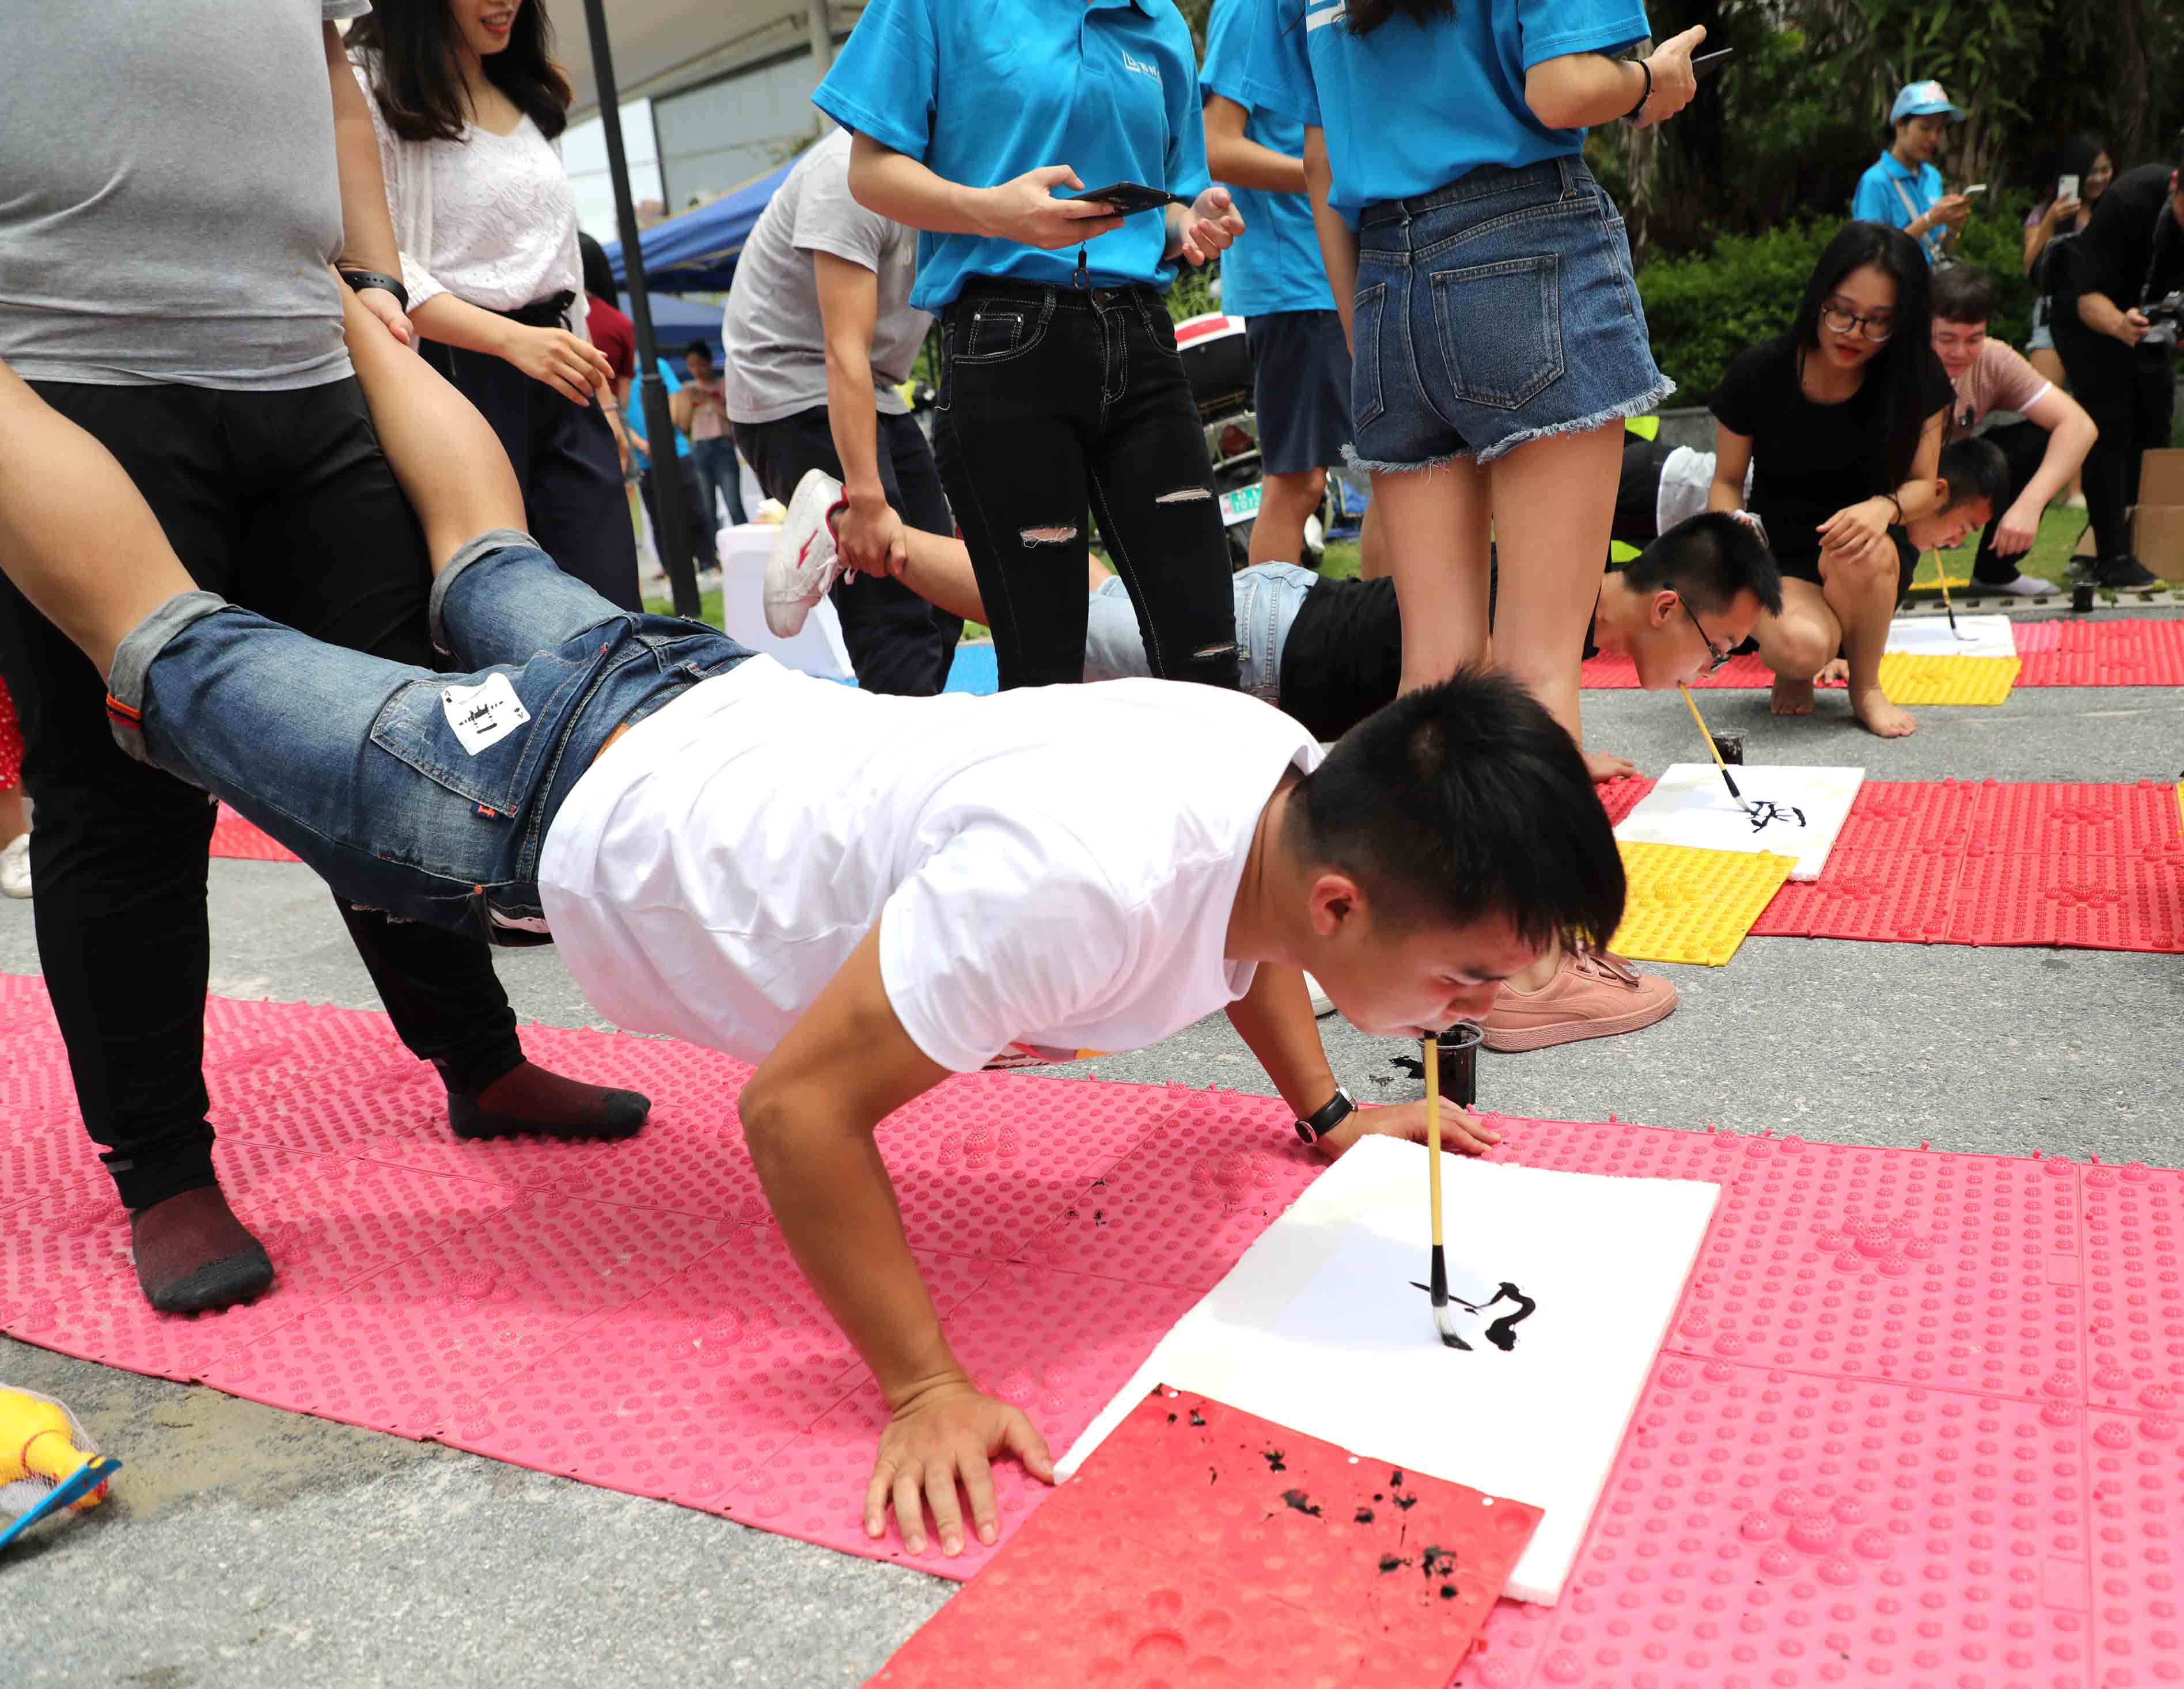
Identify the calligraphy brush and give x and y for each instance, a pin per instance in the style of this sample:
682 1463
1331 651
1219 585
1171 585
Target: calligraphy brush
1942 576
1443 1319
1715 749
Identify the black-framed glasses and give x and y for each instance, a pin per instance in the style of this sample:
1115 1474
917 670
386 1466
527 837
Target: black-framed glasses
1841 321
1714 652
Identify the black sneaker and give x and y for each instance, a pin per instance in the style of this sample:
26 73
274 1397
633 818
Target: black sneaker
2124 571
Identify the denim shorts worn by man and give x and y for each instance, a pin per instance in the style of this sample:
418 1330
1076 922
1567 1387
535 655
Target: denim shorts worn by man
164 283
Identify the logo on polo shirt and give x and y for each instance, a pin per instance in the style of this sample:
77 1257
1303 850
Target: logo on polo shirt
1141 68
1325 15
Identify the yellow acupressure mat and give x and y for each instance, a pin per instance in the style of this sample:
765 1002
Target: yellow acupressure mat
1688 905
1909 678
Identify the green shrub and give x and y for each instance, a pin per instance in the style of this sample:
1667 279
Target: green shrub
1703 309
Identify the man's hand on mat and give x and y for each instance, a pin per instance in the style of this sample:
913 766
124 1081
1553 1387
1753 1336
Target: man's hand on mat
1208 227
1606 765
946 1434
1459 1129
387 309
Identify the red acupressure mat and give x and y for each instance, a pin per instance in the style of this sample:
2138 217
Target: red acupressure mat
1267 1558
233 836
1988 862
2145 652
1917 1421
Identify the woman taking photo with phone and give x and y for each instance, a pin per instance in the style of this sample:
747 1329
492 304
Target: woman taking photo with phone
2083 173
468 101
1840 422
1062 394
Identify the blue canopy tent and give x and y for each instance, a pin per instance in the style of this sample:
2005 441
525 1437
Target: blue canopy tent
696 252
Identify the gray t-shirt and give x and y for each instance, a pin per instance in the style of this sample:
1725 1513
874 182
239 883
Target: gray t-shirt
777 345
169 200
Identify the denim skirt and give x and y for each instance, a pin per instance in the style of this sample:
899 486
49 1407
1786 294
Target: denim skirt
1494 311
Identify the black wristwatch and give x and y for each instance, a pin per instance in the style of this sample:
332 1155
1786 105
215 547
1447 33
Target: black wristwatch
1320 1124
359 280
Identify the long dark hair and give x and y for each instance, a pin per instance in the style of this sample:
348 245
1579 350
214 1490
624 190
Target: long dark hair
1365 16
418 82
2075 157
1906 359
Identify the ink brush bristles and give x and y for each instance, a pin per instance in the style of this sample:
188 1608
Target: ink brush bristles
1713 748
1437 1279
1942 576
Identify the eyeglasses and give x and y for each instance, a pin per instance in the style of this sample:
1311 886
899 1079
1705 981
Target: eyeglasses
1841 321
1714 651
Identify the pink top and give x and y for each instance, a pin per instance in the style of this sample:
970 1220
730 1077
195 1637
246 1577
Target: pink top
2000 380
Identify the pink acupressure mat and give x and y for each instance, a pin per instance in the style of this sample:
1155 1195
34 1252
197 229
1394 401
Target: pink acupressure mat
233 836
1988 862
2143 652
1917 1421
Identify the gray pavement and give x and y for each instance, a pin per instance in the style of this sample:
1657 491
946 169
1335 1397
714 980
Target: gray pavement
247 1546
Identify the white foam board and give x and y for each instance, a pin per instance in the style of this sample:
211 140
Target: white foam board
1930 636
1319 1327
1804 810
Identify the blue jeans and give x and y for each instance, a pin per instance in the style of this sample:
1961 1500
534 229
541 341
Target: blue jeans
1268 596
1495 311
354 762
713 462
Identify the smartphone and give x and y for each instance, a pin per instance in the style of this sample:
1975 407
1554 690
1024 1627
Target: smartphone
1708 63
2066 187
1130 198
1974 191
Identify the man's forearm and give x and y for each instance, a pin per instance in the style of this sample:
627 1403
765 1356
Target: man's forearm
367 232
2100 314
853 419
2065 456
1274 1018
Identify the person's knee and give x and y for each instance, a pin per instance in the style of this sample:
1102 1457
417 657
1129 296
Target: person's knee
1302 490
1796 645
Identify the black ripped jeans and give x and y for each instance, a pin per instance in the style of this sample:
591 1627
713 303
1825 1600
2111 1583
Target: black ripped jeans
1056 400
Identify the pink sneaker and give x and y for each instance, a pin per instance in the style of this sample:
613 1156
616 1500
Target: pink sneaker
1595 993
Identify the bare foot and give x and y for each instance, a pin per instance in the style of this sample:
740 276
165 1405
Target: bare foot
1876 715
1791 697
1606 766
1834 673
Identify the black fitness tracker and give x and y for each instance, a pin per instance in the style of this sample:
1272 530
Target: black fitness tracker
359 280
1320 1124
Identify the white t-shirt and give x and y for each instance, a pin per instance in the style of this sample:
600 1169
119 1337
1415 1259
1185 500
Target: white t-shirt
1053 866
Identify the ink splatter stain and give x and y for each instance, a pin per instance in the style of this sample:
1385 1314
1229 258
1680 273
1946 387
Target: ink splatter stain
1448 1591
1303 1502
1390 1563
1273 1459
1197 1417
1365 1515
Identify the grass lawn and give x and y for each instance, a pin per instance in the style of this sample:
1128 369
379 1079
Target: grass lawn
2049 558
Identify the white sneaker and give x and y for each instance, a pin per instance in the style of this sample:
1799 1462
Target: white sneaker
15 866
804 565
2023 586
1321 1005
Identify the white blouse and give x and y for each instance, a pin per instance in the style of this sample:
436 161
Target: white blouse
491 219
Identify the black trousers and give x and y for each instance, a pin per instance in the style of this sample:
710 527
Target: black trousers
899 642
2023 445
281 502
2130 393
697 530
574 502
1055 399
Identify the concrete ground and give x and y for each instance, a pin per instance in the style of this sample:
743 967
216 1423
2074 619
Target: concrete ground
247 1546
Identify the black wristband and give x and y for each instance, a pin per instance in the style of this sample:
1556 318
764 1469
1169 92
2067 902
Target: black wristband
1631 116
359 280
1319 1125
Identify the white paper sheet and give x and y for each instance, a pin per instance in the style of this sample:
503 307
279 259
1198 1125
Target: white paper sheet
1805 810
1319 1327
1930 636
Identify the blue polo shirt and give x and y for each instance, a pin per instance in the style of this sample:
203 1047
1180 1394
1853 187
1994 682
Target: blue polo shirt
1410 106
1877 201
1277 265
981 90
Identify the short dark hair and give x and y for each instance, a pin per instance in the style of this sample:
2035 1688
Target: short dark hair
1707 560
1461 801
599 274
698 348
1975 469
1964 293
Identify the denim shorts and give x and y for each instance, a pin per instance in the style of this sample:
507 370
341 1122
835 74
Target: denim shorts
357 764
1495 311
1268 595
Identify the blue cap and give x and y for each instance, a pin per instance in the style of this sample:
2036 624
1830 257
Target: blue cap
1923 99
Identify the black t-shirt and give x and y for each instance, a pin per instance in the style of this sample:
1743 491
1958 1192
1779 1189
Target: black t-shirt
2131 232
1344 658
1810 460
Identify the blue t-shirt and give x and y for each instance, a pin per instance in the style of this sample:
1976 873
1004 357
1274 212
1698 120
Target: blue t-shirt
1877 201
1410 106
633 414
981 90
1277 265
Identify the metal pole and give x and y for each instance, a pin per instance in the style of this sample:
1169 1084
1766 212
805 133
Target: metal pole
819 28
668 500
